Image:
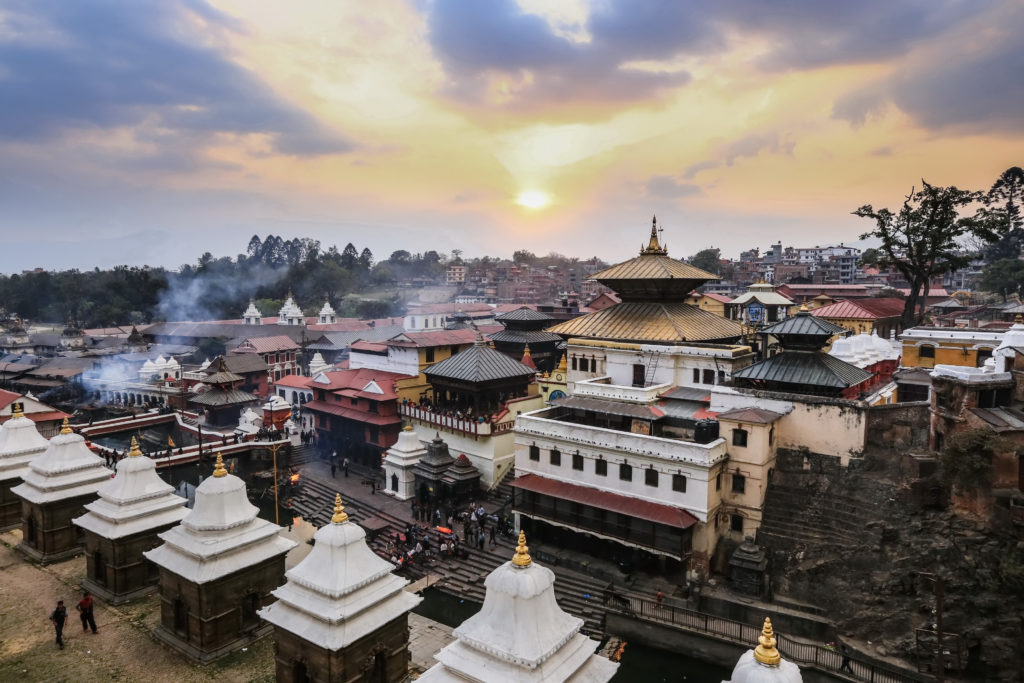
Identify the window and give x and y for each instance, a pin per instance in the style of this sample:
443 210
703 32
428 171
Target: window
430 355
983 355
771 436
718 481
696 376
373 434
534 453
353 401
651 476
739 437
926 351
625 472
739 483
556 457
577 462
721 376
679 483
575 365
709 377
371 406
584 364
601 468
454 350
736 523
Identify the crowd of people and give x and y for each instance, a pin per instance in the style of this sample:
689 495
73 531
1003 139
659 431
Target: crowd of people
452 411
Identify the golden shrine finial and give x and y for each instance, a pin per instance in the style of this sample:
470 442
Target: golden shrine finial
563 365
765 651
654 246
522 556
134 450
340 516
407 428
17 409
219 470
803 308
1018 318
66 427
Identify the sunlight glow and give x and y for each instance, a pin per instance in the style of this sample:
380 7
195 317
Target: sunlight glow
533 199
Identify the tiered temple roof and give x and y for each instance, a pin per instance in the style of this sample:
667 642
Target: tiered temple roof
222 534
135 500
520 634
66 469
341 591
20 443
477 365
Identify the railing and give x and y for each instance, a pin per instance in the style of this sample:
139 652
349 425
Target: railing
465 426
601 387
804 654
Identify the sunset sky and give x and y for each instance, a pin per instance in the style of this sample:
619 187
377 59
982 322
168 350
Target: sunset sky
152 131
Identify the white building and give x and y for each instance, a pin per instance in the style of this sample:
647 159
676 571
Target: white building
520 634
252 315
290 313
398 463
326 316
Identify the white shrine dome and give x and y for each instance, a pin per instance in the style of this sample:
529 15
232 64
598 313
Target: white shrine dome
252 311
883 348
327 309
842 349
1014 337
221 503
66 469
20 443
764 664
408 441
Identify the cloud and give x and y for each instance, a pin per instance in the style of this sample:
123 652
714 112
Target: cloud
696 168
755 143
666 187
98 65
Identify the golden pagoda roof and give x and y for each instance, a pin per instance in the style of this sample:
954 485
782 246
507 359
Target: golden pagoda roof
650 266
669 322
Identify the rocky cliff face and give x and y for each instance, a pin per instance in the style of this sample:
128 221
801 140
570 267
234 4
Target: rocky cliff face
857 541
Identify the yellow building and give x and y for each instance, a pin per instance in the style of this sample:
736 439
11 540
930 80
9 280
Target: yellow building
926 347
712 303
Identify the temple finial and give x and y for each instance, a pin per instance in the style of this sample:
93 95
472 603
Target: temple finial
134 450
803 307
654 246
340 516
219 470
66 427
522 556
765 651
17 409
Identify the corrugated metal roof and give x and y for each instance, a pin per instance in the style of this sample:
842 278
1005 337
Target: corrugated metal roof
522 313
597 405
866 309
805 324
653 267
478 363
653 322
766 298
525 337
688 394
752 415
216 397
606 500
808 368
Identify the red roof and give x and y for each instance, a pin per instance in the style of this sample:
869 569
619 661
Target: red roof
297 381
356 380
352 413
439 338
268 344
869 309
375 347
355 325
606 500
7 398
751 415
716 297
449 308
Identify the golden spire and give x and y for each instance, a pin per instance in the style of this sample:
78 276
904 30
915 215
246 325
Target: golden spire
407 428
66 427
803 307
765 651
1018 318
522 556
340 516
653 246
562 364
219 470
17 409
526 350
134 450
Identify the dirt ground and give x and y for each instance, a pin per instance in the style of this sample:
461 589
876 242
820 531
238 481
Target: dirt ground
123 650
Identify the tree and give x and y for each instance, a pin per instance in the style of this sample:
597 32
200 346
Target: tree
349 257
365 259
709 260
1003 277
524 256
400 257
1003 211
869 258
922 240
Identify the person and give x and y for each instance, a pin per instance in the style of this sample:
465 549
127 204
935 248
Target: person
59 617
659 597
493 531
334 468
845 664
344 467
480 540
85 607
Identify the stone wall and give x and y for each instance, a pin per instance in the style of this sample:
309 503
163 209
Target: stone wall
898 425
382 655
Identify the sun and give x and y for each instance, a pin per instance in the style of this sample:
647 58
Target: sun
533 199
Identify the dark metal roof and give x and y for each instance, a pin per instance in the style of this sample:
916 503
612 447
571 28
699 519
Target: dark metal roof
688 394
603 406
525 337
805 324
218 397
808 368
523 313
752 415
478 363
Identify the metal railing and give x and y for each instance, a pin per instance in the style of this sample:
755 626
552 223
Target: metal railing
819 657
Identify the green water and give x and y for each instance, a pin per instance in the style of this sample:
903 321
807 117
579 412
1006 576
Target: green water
639 664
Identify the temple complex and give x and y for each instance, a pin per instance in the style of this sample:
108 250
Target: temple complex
520 634
20 443
54 490
342 615
124 522
217 569
223 399
764 664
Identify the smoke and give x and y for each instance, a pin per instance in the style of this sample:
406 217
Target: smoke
209 295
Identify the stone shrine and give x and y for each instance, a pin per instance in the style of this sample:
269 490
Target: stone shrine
342 615
54 490
133 508
520 634
20 443
217 569
399 460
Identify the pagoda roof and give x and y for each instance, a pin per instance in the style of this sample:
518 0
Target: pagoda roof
522 313
804 324
223 397
478 364
66 469
650 322
341 592
525 337
219 373
804 368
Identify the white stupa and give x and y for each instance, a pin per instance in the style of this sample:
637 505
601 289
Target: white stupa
342 591
764 664
290 313
327 316
252 315
66 469
317 365
134 501
222 534
1012 339
20 443
520 634
399 481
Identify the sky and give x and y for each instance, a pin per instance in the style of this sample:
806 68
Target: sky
151 131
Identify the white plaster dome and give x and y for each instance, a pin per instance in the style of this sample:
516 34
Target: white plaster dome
764 664
882 347
1014 337
221 503
20 442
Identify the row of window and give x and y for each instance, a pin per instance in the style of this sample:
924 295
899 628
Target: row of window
584 364
651 476
928 351
707 376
